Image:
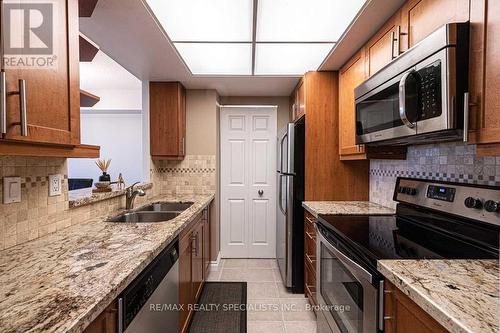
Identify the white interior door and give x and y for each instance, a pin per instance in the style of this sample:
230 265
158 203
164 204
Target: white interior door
248 185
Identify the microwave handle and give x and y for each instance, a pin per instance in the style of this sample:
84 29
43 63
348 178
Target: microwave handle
466 117
402 99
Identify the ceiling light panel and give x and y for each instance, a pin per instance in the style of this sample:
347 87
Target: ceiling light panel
304 21
203 20
217 58
289 59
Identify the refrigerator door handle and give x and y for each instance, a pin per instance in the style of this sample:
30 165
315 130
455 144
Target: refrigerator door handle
290 146
281 152
280 195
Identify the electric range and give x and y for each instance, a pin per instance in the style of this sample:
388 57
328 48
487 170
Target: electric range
434 219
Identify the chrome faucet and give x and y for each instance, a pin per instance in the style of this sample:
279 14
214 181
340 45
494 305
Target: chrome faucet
130 195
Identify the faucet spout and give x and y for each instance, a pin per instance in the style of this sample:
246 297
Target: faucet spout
130 194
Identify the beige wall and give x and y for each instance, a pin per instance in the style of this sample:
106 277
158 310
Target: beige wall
201 122
202 139
283 104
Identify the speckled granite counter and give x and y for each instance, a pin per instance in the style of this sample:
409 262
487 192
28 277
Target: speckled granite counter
346 208
462 295
63 281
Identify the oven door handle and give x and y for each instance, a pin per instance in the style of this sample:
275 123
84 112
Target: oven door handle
402 99
359 272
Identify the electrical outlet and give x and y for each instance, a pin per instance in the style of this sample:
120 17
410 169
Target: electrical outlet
55 185
11 189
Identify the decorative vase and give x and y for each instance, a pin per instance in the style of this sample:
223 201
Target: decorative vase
105 177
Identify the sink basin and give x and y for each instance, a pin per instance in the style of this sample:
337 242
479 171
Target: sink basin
166 207
144 217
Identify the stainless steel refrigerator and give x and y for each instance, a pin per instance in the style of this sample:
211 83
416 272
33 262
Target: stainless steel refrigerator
289 216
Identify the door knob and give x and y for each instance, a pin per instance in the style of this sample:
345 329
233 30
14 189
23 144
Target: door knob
261 192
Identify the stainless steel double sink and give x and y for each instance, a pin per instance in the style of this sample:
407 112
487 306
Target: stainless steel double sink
155 212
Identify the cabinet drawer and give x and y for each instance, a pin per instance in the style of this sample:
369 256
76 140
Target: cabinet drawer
310 283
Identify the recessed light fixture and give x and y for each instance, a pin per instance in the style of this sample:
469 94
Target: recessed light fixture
250 37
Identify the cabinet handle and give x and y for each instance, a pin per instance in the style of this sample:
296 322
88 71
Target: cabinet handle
194 250
3 102
22 106
393 38
183 146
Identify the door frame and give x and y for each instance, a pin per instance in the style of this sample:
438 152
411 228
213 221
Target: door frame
220 160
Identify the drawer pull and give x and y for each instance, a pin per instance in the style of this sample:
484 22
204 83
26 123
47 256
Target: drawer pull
313 237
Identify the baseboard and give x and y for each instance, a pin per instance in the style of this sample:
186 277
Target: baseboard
216 262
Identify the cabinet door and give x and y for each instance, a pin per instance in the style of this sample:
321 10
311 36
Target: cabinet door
167 120
185 282
419 18
52 108
197 267
484 80
403 315
351 75
206 241
106 322
383 47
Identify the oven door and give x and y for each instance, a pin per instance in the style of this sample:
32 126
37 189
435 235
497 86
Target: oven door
348 300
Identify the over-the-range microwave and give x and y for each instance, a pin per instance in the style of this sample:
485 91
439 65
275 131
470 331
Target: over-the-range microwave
419 97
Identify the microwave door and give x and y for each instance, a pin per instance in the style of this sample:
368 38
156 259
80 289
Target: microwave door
388 111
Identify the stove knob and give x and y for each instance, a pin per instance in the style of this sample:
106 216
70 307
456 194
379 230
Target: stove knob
492 206
471 202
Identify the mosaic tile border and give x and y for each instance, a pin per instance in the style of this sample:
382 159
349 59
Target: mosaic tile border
460 178
183 170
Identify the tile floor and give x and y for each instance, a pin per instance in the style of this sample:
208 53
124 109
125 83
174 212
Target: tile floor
271 308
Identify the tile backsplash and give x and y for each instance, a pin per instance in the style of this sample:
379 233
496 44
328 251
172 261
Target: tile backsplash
455 162
38 214
196 174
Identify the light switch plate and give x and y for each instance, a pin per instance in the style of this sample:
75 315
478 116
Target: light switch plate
55 185
11 189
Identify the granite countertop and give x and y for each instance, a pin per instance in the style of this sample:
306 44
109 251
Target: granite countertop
84 196
462 295
63 281
346 208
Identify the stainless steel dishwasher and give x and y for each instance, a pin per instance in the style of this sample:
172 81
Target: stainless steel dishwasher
149 303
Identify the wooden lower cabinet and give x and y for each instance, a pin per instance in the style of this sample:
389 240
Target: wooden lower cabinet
310 258
402 315
193 269
106 322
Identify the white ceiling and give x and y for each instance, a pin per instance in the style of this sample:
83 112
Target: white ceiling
140 45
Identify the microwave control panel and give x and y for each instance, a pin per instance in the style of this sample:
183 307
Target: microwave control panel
430 91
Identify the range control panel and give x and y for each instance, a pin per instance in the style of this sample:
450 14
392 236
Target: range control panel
477 202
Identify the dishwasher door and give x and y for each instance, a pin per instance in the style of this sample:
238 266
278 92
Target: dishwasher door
159 313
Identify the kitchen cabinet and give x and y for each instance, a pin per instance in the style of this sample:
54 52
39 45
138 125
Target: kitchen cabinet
484 78
326 176
106 322
310 258
42 110
402 315
193 257
351 75
51 112
384 45
298 101
419 18
167 118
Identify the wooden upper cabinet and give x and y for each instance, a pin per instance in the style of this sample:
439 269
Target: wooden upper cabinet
167 109
298 101
419 18
351 75
383 46
484 79
52 109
